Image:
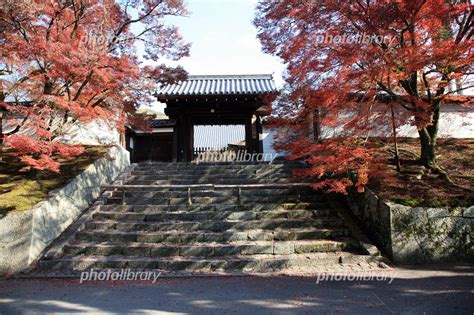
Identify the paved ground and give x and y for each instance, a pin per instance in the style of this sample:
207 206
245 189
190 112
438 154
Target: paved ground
436 290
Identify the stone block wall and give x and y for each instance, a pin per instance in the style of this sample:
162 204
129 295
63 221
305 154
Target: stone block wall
25 235
415 235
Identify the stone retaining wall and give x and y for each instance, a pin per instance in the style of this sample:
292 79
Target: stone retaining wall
25 235
416 235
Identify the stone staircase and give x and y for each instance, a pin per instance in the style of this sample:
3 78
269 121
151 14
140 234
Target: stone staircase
183 217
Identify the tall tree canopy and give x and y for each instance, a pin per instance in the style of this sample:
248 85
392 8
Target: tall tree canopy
346 59
65 62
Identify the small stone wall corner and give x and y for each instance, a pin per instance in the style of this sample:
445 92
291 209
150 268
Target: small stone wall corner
415 235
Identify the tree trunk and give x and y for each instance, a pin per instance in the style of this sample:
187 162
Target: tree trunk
395 142
428 136
428 150
428 154
316 125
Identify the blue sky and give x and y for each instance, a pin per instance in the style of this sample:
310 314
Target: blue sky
224 40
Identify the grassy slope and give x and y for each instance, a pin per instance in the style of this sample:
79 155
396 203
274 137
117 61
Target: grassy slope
456 156
21 189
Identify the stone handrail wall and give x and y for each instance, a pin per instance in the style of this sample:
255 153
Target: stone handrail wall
25 235
415 235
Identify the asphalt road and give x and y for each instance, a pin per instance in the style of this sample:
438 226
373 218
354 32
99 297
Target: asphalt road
434 291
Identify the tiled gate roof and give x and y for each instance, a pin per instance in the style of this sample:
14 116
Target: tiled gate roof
221 85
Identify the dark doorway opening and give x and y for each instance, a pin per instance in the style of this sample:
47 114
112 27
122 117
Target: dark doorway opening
154 147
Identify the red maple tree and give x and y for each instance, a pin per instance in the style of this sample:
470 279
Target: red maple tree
71 62
350 62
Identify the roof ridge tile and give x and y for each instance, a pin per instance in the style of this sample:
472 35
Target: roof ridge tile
220 85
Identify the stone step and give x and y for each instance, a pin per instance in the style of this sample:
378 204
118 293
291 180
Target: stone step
211 229
208 167
211 215
222 237
223 195
160 174
210 177
307 263
211 250
215 170
214 200
211 166
225 181
216 173
152 192
214 226
275 162
215 207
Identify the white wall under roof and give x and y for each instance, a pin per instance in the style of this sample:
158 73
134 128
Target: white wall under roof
268 139
453 124
93 133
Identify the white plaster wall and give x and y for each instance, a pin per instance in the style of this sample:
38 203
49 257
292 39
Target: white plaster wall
97 132
453 124
268 141
94 133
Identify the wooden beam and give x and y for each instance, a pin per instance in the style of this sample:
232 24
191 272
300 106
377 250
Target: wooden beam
259 135
175 144
248 135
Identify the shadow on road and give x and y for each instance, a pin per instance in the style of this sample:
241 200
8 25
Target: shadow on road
411 291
